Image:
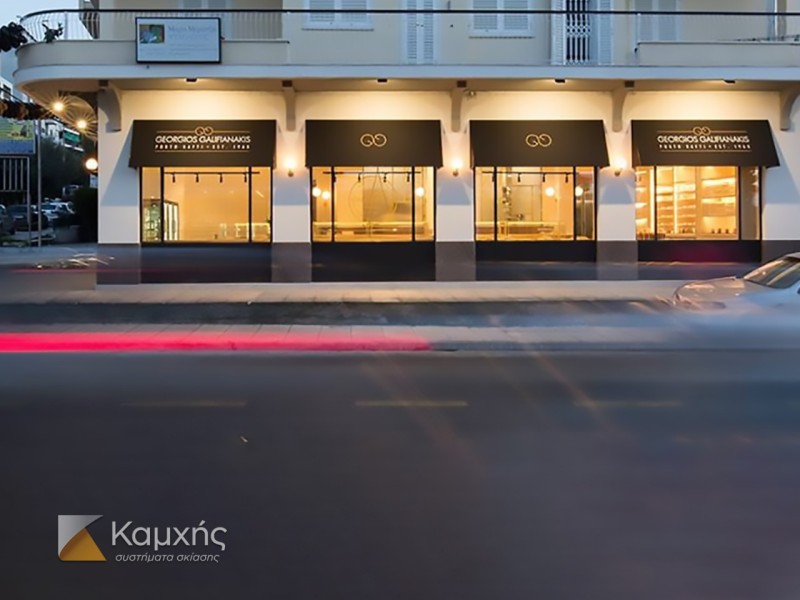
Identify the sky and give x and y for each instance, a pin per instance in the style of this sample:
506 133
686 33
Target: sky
9 9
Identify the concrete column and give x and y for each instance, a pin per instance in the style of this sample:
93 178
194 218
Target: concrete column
455 215
118 202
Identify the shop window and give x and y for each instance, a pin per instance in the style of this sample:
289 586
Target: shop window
206 204
491 22
372 204
698 203
535 204
338 20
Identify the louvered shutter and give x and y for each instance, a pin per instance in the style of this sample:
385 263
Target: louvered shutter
361 18
412 46
604 34
428 32
485 22
323 17
558 25
516 23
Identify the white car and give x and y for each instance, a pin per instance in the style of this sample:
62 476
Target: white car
775 284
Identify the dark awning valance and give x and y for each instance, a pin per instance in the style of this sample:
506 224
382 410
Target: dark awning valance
374 143
538 143
703 143
203 143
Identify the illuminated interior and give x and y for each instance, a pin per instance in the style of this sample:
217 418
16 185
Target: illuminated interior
206 204
697 203
534 203
372 204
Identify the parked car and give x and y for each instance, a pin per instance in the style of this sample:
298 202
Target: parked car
6 222
20 214
775 284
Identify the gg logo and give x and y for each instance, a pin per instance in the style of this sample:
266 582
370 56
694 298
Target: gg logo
539 140
204 131
378 140
701 131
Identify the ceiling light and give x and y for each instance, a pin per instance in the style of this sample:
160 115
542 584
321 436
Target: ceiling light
420 191
82 124
550 192
58 107
316 192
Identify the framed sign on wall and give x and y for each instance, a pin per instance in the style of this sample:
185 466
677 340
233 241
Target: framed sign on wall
168 40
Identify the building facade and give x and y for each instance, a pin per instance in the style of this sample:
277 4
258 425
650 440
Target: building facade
432 140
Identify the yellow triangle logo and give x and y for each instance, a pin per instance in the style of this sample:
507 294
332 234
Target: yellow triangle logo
81 548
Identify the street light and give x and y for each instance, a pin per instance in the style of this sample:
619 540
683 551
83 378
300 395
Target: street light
91 164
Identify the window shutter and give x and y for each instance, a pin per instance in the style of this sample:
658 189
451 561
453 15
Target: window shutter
485 22
356 18
668 30
605 33
558 25
321 5
412 53
517 23
428 33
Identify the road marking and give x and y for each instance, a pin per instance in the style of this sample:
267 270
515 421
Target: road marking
189 404
411 404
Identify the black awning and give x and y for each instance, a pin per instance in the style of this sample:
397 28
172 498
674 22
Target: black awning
203 143
703 143
374 143
538 143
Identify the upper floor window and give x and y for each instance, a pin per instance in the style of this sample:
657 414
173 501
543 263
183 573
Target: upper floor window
493 22
338 20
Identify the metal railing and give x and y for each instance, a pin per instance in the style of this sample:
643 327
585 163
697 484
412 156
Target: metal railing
439 36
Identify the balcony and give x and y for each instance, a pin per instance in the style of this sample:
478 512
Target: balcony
457 37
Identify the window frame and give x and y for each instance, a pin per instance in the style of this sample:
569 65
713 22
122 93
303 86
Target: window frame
495 198
249 242
501 31
338 23
332 238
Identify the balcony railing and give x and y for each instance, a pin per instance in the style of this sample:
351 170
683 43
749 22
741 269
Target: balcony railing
466 37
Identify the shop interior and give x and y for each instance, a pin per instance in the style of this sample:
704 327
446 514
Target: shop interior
698 203
372 204
206 204
534 203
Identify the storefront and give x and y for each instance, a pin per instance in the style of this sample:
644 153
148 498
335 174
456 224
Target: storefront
373 199
535 189
699 189
205 199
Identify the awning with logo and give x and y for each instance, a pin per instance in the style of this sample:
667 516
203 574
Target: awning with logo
703 143
538 143
203 143
374 143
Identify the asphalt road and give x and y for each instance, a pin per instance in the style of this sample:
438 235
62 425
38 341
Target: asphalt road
669 476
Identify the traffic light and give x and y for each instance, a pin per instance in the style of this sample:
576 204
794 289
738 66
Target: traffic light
12 36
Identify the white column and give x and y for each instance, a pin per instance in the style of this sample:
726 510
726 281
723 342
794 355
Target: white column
118 185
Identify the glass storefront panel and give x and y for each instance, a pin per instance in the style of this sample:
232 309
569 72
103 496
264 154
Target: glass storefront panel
484 204
206 204
424 208
211 203
150 189
697 203
261 204
372 204
321 205
584 203
535 204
